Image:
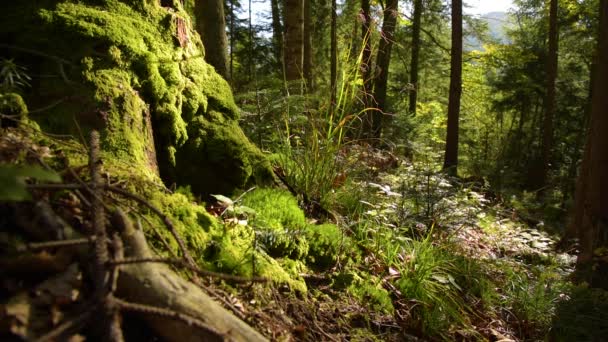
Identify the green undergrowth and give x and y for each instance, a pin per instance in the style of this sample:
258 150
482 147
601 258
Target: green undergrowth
582 316
367 289
457 263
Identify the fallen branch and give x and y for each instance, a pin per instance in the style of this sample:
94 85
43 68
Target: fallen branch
35 246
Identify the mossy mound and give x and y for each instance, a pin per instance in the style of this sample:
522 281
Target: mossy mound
134 71
326 244
12 104
280 223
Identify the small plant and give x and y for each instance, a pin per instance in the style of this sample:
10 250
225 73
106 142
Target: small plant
309 154
12 76
428 281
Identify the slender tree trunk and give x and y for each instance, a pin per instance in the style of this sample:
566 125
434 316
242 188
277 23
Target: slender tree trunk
594 226
550 101
211 25
383 60
451 143
307 65
415 56
251 47
365 67
294 28
232 42
277 34
334 54
576 220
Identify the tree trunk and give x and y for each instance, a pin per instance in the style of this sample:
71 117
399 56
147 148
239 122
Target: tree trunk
250 66
365 68
307 34
415 56
594 226
232 41
383 60
277 35
550 100
334 54
576 220
211 25
294 29
451 143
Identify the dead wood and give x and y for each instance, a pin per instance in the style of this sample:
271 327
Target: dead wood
155 284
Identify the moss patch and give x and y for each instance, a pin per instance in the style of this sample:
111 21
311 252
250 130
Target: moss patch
366 289
326 242
280 222
234 251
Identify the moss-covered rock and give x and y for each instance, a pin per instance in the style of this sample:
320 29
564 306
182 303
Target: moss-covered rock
135 71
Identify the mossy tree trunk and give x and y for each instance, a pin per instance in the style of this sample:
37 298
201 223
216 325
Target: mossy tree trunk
308 53
135 72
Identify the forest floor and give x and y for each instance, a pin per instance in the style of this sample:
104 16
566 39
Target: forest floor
531 276
437 259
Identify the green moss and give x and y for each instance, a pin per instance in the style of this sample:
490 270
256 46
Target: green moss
326 242
235 252
230 159
191 221
366 289
280 222
12 104
128 70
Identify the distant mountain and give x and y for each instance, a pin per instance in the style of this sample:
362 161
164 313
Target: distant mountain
497 22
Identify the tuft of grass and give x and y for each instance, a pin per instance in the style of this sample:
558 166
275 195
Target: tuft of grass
428 281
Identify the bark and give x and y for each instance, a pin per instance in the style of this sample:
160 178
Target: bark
451 144
594 226
415 56
550 100
211 25
277 34
307 34
294 29
383 60
334 53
